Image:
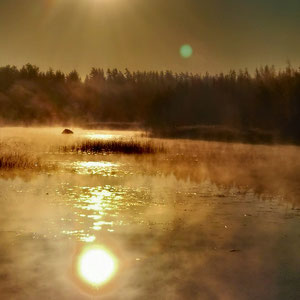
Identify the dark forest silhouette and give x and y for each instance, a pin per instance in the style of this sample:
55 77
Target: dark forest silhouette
263 107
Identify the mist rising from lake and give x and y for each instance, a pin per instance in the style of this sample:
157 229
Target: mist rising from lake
202 220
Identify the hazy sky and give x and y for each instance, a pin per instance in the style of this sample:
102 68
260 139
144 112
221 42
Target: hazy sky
147 34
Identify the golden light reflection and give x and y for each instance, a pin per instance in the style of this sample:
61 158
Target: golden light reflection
96 266
102 136
103 168
88 238
101 208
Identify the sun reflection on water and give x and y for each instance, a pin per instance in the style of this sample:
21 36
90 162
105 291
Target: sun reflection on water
100 207
102 136
103 168
97 208
96 266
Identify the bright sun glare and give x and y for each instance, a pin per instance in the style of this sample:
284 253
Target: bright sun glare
96 266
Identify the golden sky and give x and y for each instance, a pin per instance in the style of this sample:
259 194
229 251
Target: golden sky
148 34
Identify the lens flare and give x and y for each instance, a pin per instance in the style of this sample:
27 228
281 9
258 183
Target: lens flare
97 266
186 51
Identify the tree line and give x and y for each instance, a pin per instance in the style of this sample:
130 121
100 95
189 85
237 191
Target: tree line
265 102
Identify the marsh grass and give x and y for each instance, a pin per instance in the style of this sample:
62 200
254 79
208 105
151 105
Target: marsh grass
17 155
15 160
114 146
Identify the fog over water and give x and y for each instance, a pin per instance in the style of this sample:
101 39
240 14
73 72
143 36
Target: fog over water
202 220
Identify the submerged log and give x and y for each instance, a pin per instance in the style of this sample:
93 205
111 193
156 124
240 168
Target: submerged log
67 131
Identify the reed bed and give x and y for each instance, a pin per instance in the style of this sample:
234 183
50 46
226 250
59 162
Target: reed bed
15 160
114 146
17 155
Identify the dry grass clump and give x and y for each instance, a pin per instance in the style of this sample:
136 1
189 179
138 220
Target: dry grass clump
15 160
17 156
114 146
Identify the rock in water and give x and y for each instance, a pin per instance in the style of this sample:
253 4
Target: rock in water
67 131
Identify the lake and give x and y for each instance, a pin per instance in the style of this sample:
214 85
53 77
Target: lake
201 220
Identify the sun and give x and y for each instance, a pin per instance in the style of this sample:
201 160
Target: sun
96 266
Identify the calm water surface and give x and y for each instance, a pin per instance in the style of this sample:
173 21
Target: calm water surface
176 234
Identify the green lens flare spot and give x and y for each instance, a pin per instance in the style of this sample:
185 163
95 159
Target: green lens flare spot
186 51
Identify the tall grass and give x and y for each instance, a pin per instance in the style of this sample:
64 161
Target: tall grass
17 160
114 146
16 155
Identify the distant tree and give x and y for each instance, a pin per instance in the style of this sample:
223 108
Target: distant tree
267 101
73 76
29 71
8 75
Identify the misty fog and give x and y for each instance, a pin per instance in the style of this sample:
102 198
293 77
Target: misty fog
201 220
